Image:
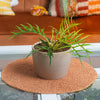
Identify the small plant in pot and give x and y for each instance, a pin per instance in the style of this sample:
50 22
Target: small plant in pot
52 56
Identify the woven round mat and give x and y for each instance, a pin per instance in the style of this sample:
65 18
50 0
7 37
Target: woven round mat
20 74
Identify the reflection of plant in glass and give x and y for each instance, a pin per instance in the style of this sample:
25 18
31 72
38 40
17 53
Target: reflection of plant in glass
67 96
88 94
66 37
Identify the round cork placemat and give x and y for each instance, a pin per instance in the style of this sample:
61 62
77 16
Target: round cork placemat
20 74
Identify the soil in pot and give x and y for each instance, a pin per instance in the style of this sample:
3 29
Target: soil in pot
60 50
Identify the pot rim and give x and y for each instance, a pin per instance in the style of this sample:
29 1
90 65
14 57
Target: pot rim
53 52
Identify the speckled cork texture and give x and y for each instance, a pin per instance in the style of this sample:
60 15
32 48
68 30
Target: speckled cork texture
20 74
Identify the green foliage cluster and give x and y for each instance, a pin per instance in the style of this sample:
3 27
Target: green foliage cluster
67 34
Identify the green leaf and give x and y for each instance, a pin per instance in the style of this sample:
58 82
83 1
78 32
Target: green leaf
81 40
88 51
43 42
19 28
42 47
84 44
49 54
48 39
17 33
75 33
9 37
63 47
25 27
33 51
31 28
14 33
42 30
80 60
38 29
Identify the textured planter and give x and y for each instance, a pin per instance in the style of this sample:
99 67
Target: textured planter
59 64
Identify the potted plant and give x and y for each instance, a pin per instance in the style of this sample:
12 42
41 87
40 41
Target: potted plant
52 56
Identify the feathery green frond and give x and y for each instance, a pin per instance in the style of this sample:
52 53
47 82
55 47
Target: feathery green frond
67 36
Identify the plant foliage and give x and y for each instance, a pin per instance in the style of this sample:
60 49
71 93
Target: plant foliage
67 34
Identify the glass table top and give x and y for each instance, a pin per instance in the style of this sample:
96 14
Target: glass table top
10 53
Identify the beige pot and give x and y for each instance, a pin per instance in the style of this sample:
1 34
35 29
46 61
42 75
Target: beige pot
59 64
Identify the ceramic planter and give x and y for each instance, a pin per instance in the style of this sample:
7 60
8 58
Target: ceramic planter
59 64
